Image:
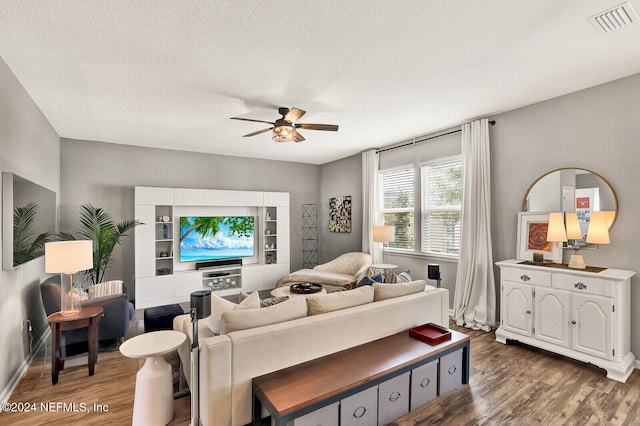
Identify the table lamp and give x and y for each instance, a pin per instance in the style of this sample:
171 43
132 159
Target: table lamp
384 234
200 308
597 234
67 258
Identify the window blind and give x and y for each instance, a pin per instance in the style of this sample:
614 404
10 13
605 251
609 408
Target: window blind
398 197
441 207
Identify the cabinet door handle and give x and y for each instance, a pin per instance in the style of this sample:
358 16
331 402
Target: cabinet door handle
580 286
525 277
452 369
359 412
425 382
394 396
573 322
529 312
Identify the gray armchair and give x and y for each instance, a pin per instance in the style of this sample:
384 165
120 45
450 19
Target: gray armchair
118 311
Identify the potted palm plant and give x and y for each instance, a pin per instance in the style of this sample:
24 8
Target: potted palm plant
98 226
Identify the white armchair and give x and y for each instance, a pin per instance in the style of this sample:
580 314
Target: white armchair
341 273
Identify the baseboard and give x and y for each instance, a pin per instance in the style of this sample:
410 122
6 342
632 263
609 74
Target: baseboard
22 370
636 363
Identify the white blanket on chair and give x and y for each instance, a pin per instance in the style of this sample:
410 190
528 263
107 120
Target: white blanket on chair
317 277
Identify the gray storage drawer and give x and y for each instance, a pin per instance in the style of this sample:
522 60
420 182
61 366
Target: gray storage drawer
325 416
450 371
393 398
360 409
424 384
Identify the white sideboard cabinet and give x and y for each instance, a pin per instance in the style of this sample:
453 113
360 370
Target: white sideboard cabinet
579 314
160 278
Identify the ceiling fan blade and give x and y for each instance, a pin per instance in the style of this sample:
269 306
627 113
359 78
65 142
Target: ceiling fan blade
294 115
329 127
298 137
258 132
251 119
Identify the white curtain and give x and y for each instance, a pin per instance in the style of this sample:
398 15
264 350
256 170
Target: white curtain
475 294
370 161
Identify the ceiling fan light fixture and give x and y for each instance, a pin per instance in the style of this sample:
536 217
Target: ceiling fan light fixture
284 134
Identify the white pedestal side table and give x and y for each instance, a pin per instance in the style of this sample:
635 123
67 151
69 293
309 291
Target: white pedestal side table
153 403
385 267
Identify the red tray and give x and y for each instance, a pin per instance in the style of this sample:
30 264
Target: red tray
430 333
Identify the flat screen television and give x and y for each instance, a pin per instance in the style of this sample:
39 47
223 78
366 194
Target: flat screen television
216 237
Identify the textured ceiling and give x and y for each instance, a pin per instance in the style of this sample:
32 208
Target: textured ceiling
169 74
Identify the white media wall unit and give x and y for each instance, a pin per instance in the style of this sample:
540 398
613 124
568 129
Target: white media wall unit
161 278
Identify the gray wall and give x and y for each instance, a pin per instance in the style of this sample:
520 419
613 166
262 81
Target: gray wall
340 177
594 129
105 174
29 147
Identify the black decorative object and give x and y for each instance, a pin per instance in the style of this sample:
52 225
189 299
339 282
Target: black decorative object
305 288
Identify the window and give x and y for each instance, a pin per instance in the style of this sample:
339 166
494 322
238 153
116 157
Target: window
397 205
441 207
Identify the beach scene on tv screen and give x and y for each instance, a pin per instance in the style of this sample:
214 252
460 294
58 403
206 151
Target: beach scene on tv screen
216 237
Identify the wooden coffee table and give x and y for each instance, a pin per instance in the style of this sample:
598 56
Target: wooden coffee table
88 317
292 392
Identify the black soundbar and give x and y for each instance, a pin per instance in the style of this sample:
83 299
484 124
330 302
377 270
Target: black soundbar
216 263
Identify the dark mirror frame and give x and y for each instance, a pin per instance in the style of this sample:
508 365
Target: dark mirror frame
19 192
605 181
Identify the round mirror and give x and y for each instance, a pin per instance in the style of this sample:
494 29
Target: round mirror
571 190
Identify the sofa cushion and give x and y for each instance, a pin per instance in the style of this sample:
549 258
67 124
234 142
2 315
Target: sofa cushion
388 291
269 301
339 300
291 309
219 306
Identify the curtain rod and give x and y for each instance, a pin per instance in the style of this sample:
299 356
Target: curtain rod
492 122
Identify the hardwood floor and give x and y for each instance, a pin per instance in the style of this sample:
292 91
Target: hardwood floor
517 384
510 384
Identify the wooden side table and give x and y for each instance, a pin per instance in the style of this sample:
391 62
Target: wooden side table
89 317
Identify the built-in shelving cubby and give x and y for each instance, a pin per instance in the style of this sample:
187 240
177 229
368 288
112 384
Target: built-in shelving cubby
164 240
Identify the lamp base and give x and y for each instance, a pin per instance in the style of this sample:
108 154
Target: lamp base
577 262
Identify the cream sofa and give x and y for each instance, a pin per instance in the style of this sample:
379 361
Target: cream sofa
229 362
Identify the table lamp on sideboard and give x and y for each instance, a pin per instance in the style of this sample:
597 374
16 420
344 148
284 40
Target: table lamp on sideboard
67 258
567 229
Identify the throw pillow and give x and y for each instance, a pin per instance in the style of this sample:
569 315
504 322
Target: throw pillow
389 291
339 300
291 309
106 288
404 276
219 306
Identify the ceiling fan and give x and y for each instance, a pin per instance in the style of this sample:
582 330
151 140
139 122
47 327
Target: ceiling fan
284 129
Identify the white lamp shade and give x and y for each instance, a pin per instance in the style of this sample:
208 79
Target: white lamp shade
573 227
611 216
384 234
68 257
598 229
556 232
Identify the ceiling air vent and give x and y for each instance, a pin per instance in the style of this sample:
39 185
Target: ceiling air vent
613 19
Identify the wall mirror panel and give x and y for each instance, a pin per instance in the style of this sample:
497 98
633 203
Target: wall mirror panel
28 220
571 190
